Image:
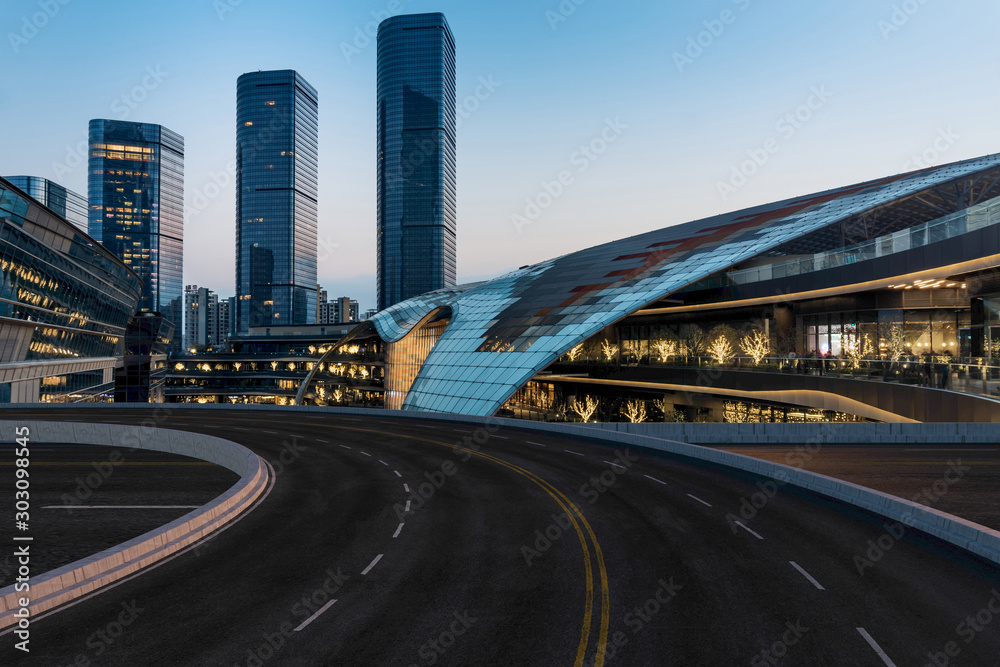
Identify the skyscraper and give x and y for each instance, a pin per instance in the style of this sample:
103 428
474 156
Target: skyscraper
416 156
276 199
61 200
136 191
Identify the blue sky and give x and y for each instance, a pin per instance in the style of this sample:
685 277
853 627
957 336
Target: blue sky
649 113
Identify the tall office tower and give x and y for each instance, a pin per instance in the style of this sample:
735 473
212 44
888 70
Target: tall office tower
416 157
276 199
136 192
60 200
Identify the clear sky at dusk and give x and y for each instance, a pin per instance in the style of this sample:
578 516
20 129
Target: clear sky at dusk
671 100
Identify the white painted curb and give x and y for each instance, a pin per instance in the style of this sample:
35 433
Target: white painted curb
84 576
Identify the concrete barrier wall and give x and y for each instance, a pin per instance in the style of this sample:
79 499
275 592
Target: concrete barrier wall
973 537
89 574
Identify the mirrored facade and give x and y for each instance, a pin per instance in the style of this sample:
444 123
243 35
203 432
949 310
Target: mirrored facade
277 159
136 193
65 302
62 201
416 157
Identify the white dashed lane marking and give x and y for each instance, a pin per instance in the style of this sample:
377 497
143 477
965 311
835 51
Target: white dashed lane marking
314 616
572 452
655 480
749 530
699 500
371 565
806 575
398 528
397 473
876 647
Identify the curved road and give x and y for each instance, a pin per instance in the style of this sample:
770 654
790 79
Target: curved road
415 542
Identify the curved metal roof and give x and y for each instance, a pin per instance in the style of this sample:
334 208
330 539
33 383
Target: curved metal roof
505 330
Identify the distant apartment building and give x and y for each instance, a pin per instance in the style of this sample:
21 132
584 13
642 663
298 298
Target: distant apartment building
206 318
339 311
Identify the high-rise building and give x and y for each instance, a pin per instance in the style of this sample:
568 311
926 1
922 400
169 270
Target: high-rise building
321 296
276 199
339 311
136 192
62 201
416 157
206 318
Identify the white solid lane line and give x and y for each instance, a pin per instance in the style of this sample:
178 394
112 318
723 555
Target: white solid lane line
397 473
572 452
807 575
699 500
406 487
878 649
534 443
749 530
314 616
398 528
120 507
655 480
371 565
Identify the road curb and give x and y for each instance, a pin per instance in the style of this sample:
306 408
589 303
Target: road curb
84 576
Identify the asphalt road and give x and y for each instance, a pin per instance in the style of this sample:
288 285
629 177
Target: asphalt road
653 563
85 499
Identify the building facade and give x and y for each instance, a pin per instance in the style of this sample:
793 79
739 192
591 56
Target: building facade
206 318
878 301
276 199
416 182
62 201
136 194
339 311
65 304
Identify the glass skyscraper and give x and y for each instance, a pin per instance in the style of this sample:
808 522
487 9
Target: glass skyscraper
416 157
136 192
60 200
276 199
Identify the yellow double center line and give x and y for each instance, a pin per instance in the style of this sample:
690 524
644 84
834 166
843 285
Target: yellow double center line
570 509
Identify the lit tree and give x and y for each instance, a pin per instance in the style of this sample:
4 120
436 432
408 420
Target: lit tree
610 351
857 348
693 338
237 365
721 350
635 411
585 407
274 365
756 346
337 395
574 352
664 349
895 341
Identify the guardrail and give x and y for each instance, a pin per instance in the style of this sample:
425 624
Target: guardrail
84 576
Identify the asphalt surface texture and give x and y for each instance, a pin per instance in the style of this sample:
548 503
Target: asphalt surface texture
659 561
85 499
960 479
